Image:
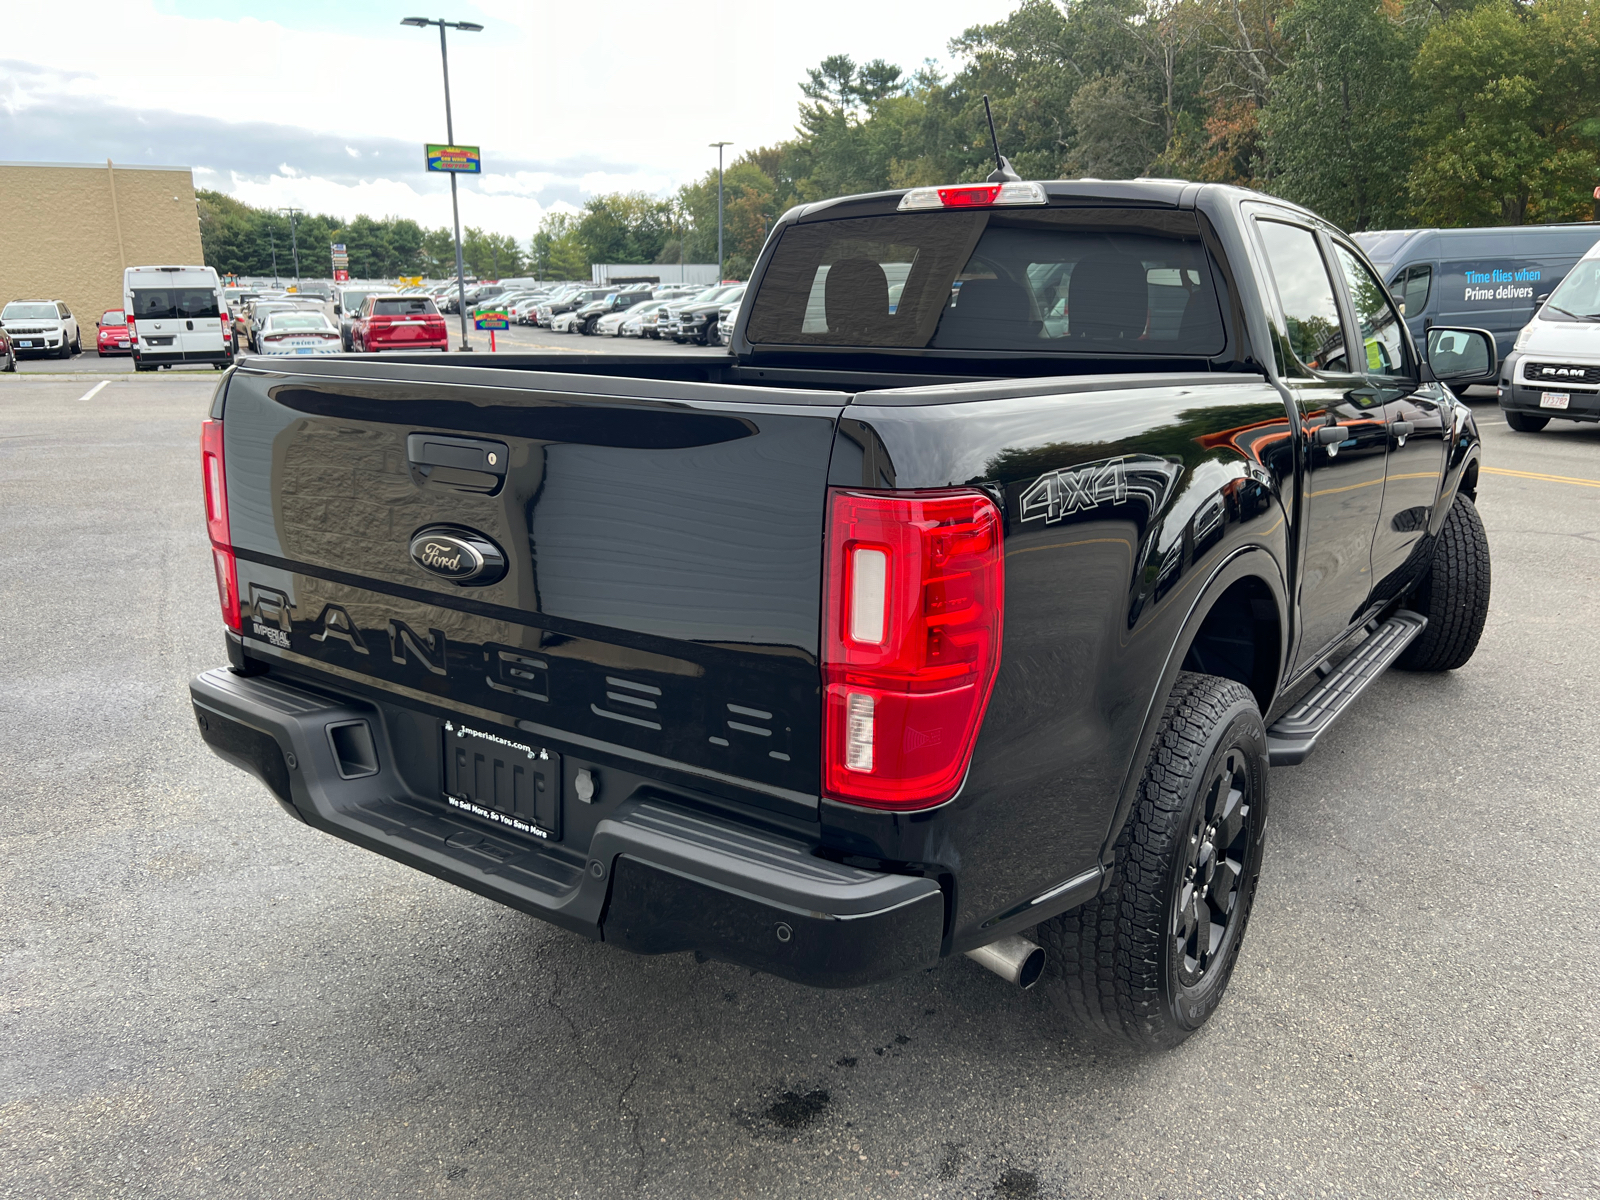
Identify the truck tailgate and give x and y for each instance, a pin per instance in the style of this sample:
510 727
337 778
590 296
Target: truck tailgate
662 547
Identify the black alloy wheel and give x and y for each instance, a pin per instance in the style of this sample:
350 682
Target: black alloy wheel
1221 831
1146 962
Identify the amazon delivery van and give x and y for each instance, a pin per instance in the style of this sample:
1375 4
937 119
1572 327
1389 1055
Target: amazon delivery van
175 315
1490 279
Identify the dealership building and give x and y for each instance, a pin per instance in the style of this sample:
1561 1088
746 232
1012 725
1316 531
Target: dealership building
70 229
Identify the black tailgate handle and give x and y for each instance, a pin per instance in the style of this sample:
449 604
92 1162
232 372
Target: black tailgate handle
466 464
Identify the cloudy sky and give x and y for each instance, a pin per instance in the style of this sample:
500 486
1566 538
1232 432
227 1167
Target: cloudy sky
325 104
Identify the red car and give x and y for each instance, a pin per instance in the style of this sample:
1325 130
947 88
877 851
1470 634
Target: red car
8 355
114 337
399 323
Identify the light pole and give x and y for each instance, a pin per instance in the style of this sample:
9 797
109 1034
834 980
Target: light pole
719 146
294 245
450 136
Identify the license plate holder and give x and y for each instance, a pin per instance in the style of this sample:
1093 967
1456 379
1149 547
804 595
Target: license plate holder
1554 399
510 783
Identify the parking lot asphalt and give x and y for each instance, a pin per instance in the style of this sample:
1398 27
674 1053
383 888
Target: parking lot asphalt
202 998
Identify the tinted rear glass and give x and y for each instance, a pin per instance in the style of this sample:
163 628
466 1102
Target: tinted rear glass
155 304
407 307
1053 281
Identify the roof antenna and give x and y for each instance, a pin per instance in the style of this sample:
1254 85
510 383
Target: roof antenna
1003 172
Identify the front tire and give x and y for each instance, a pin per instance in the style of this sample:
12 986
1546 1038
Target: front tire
1453 594
1523 423
1146 962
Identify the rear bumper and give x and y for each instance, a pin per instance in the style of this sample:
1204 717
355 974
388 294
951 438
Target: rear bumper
658 876
176 356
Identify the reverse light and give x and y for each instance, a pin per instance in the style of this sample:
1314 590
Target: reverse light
223 562
914 601
976 195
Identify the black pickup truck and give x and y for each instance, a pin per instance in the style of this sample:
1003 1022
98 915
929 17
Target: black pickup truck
964 607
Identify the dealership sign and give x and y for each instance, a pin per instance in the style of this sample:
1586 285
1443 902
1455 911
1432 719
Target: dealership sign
460 160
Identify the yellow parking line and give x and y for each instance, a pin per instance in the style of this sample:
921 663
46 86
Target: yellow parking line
1544 478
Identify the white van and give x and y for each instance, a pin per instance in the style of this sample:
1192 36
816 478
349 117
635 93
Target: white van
175 315
1554 369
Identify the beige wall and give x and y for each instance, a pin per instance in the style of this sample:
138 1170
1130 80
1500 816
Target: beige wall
63 237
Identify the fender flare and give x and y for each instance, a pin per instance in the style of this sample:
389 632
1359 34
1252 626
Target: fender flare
1465 459
1246 562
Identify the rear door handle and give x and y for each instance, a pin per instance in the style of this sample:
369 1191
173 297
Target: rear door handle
1401 430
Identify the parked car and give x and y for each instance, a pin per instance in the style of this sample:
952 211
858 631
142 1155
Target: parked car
41 327
726 316
8 353
349 305
177 316
566 322
668 325
1554 369
610 325
112 335
636 318
300 333
697 320
591 313
399 323
988 637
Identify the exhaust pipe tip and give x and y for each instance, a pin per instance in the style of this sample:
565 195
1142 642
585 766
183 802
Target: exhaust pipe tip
1014 959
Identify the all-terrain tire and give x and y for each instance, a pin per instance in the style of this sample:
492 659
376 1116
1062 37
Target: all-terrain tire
1453 594
1118 968
1523 423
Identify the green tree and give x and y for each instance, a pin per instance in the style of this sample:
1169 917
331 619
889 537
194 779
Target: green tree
1336 125
557 251
491 255
1510 125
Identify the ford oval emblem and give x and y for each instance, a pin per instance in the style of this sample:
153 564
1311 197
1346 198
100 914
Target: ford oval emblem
462 556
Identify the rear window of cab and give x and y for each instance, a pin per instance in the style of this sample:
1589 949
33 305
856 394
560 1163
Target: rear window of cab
1050 281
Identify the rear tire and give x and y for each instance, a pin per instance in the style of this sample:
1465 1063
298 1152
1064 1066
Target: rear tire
1523 423
1453 594
1146 962
11 360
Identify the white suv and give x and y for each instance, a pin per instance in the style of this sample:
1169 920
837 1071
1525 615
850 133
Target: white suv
41 327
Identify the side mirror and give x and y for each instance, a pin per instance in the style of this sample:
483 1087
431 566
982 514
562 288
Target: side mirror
337 311
97 324
1461 353
1541 297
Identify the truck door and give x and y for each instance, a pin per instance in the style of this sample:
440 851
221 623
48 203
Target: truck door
1345 441
1414 416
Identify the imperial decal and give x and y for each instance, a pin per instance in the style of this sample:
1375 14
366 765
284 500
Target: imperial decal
1143 478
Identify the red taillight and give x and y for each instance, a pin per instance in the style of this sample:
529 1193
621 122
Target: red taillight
914 600
216 493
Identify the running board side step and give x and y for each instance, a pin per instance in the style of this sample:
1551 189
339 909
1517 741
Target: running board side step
1294 735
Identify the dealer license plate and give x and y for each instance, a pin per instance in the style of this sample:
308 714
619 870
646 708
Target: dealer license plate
1553 399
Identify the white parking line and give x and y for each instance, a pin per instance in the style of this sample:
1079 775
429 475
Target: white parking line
90 394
